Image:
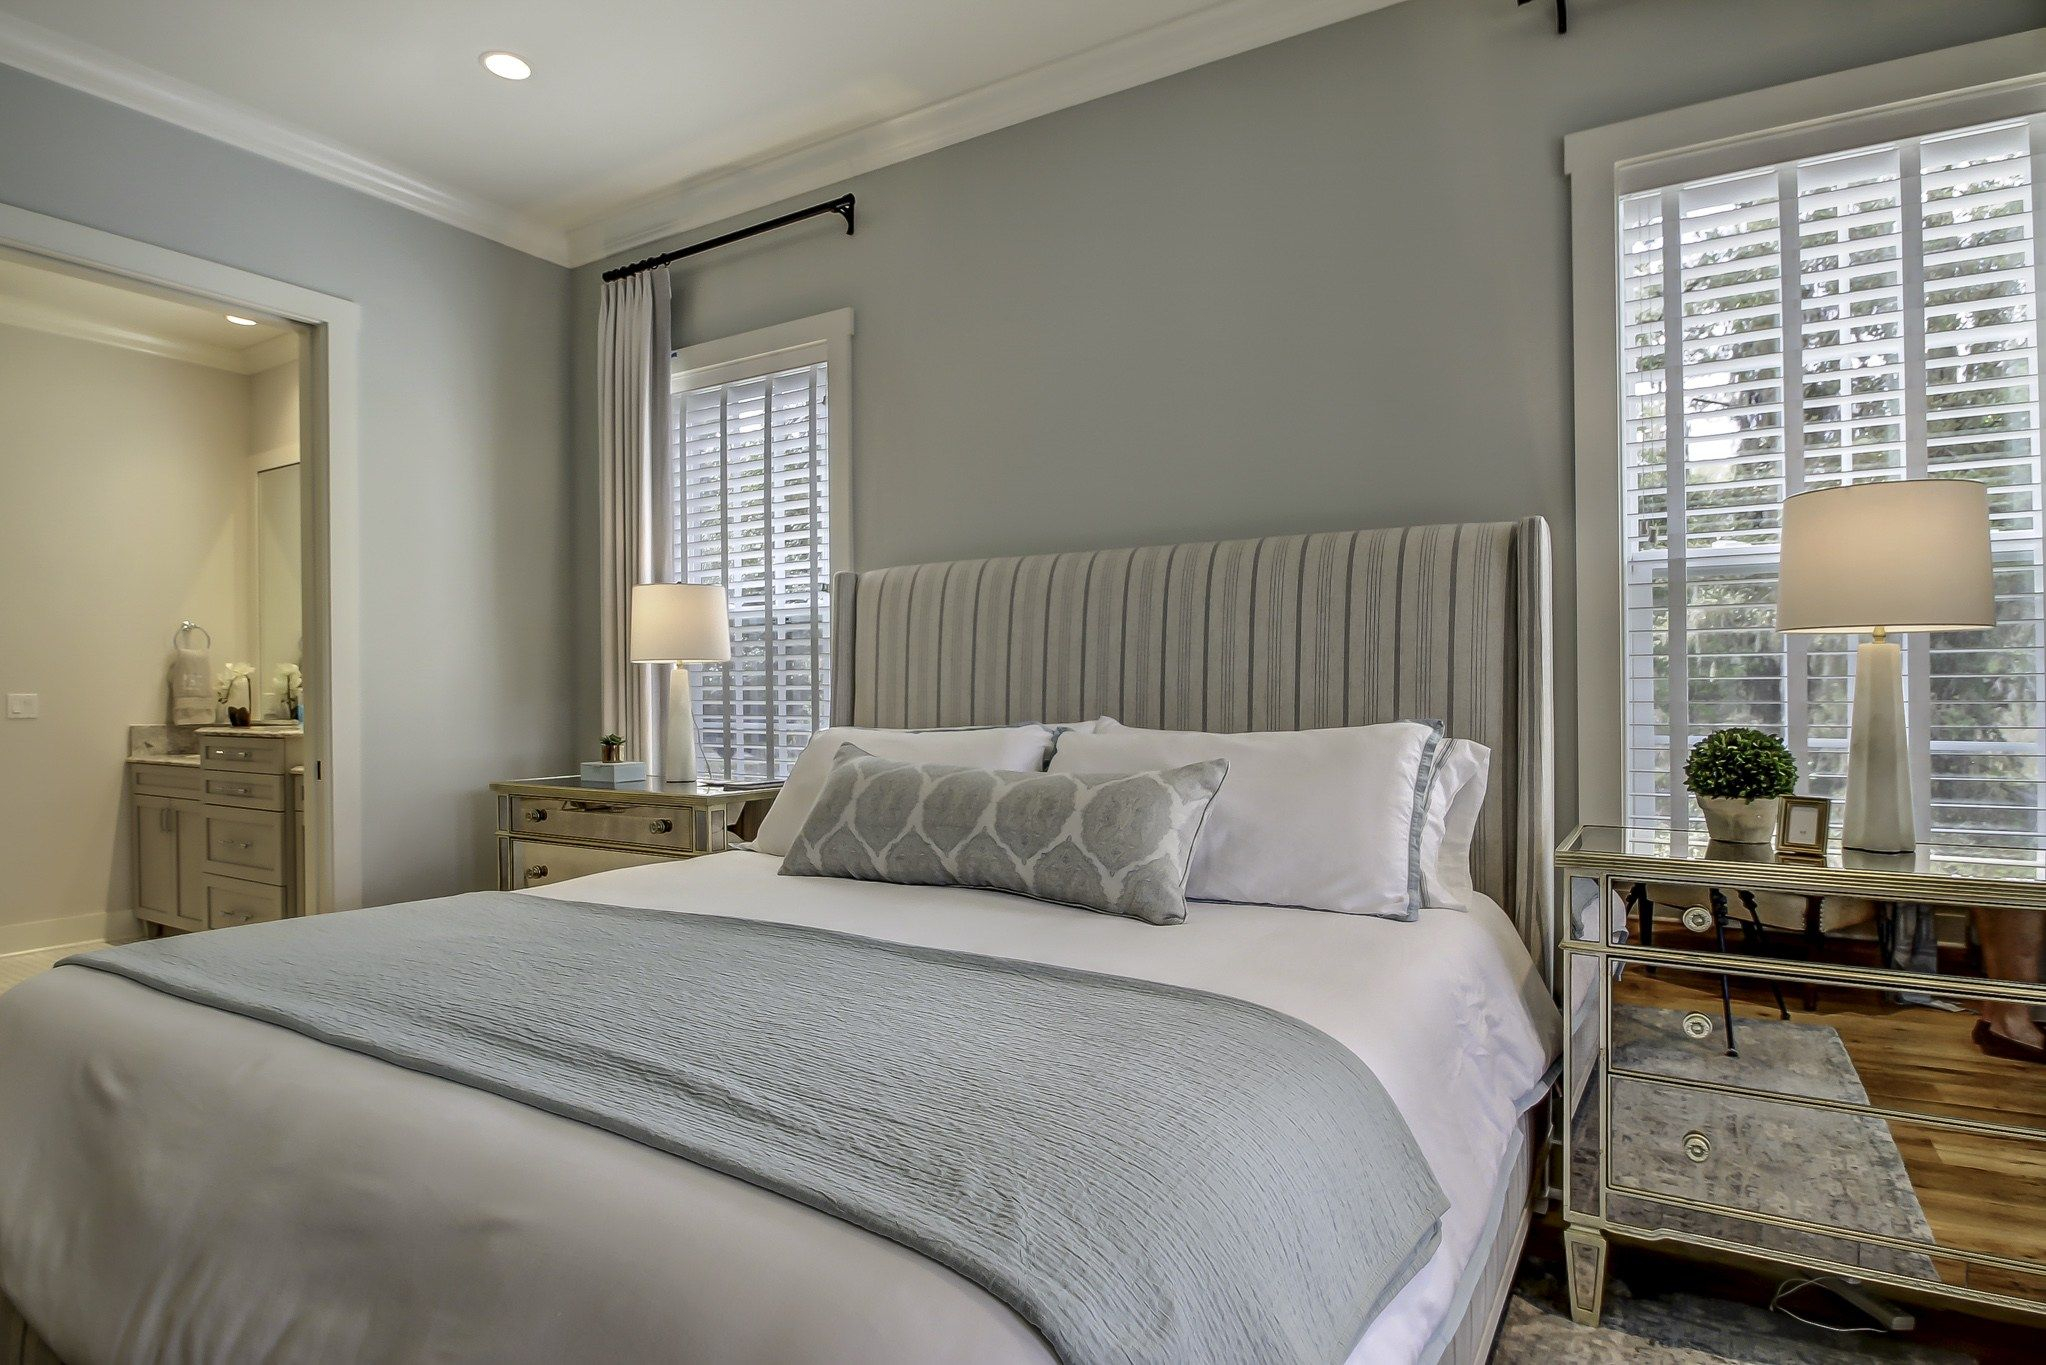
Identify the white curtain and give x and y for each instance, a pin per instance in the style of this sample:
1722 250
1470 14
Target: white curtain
633 351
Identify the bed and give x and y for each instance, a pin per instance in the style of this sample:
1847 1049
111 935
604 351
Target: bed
189 1184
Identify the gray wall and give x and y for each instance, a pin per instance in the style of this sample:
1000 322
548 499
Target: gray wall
1317 286
470 599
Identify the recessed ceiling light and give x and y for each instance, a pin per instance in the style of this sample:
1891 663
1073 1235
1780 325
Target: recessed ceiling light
238 320
507 65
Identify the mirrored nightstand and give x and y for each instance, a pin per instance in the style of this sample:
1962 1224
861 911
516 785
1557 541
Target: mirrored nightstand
1776 1058
550 829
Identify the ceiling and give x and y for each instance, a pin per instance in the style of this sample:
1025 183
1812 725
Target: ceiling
642 117
50 296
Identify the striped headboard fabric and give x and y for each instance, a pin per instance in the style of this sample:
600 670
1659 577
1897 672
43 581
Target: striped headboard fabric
1449 623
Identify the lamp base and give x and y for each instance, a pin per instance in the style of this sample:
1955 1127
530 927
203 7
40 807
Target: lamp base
1880 817
678 759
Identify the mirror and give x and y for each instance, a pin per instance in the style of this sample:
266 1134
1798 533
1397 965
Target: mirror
279 627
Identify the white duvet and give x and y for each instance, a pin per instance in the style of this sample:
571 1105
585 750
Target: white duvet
181 1184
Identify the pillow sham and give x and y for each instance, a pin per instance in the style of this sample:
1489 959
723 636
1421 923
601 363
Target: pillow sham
1021 747
1455 798
1315 819
1119 843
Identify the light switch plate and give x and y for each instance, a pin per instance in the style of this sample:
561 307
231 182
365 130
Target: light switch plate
24 705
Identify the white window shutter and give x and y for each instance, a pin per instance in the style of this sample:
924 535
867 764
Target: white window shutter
1864 315
751 481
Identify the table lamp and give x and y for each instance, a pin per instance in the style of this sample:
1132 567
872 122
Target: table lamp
1910 554
680 624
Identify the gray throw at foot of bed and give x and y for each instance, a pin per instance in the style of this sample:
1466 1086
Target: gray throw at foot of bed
1144 1173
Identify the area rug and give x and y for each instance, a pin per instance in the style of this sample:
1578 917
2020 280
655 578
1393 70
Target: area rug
1816 1165
1680 1329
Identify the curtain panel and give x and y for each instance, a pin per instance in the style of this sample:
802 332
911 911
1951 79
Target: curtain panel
633 357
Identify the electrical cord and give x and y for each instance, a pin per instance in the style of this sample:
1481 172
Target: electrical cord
1791 1286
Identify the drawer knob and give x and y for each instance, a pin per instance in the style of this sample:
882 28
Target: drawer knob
1697 1147
662 826
536 815
537 872
1698 919
1697 1025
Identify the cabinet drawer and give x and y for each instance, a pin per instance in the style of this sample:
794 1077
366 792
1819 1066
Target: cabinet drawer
1838 1173
538 863
244 845
252 791
163 779
238 755
231 901
677 829
1843 1043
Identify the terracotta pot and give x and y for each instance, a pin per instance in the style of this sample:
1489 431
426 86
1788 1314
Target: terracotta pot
1733 820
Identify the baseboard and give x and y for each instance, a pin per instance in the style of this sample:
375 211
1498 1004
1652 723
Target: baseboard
92 927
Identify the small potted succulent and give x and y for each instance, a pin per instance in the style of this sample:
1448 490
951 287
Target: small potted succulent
1740 777
614 747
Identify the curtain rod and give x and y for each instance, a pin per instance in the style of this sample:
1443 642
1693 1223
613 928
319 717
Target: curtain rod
842 206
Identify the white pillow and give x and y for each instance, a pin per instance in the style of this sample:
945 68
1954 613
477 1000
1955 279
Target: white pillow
1013 748
1454 800
1319 819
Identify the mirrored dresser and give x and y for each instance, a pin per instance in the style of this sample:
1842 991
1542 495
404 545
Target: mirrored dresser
1780 1060
551 829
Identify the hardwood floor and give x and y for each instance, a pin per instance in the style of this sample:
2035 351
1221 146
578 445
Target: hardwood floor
1980 1192
16 968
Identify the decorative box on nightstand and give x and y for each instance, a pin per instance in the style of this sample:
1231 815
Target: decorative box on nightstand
1808 1096
550 829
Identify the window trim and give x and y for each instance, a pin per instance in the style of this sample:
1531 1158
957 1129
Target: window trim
1977 83
826 337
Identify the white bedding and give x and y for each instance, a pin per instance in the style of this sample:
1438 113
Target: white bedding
193 1185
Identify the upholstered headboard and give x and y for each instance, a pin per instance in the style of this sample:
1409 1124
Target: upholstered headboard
1282 633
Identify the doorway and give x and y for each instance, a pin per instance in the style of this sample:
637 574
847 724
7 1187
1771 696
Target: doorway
275 570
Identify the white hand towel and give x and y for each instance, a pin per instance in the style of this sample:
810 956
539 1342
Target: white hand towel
191 688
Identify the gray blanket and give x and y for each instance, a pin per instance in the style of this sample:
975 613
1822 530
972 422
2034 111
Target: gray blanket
1143 1172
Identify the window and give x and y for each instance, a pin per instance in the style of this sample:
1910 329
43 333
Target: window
755 458
1862 314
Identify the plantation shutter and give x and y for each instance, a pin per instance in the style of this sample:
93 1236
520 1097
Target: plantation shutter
750 489
1908 349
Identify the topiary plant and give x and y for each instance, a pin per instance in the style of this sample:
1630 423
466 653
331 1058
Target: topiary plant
1743 764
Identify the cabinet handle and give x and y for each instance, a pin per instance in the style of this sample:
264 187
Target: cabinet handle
238 843
536 815
662 827
537 872
1697 1147
239 791
592 807
243 754
166 820
1697 1025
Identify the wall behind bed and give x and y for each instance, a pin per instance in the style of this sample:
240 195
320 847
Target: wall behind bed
1317 286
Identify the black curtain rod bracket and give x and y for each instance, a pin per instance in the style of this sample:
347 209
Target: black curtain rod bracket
842 206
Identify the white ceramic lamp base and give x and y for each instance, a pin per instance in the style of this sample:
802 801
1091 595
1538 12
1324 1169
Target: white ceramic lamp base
678 760
1880 816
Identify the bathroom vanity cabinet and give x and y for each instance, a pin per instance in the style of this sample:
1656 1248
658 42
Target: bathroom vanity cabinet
219 834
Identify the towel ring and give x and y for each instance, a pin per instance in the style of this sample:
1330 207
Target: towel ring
178 635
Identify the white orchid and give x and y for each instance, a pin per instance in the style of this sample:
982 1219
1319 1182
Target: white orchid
223 686
291 683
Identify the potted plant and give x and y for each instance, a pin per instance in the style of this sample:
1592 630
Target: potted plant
1740 777
614 747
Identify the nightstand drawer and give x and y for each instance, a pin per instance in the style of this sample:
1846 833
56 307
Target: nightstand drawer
677 829
535 862
1844 1043
1835 1172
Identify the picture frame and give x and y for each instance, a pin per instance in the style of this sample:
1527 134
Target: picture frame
1803 825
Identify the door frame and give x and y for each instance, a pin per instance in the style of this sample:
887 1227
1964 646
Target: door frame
328 414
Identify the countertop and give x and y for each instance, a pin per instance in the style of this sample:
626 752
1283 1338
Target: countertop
166 760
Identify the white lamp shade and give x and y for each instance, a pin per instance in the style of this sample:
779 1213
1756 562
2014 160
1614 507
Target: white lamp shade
1907 554
680 623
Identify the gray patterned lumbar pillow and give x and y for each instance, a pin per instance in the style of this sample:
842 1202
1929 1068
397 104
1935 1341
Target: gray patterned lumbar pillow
1119 843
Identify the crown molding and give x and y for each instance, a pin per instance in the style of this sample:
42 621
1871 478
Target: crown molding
1167 49
95 71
